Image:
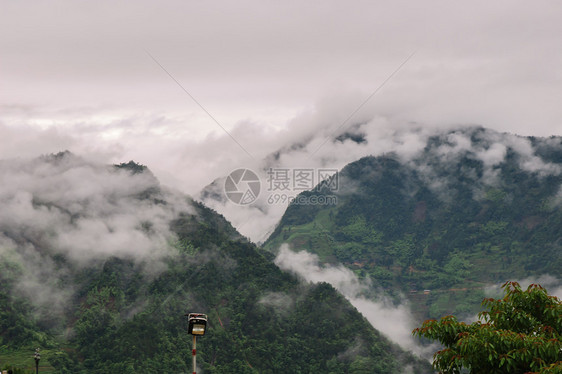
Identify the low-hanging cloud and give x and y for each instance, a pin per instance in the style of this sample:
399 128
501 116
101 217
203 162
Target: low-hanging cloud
552 284
322 143
394 321
86 212
83 210
316 138
93 89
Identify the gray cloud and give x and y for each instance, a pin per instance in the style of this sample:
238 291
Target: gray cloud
66 207
90 210
273 75
487 63
318 147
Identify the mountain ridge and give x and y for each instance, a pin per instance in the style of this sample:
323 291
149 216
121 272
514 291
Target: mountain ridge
475 207
106 263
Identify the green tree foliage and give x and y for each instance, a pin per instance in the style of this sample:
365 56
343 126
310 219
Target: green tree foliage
127 316
520 333
448 224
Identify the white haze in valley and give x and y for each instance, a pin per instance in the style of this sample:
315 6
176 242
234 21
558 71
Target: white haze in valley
88 211
394 321
311 140
316 146
90 207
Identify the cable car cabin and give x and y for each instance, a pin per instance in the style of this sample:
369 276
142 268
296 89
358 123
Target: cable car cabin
196 323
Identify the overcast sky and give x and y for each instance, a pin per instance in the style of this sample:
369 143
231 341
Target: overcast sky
79 76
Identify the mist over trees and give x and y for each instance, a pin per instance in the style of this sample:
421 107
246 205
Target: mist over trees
100 263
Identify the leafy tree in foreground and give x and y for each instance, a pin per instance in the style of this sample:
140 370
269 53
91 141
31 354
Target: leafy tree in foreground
520 333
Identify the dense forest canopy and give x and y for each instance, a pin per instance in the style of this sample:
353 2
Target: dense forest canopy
104 264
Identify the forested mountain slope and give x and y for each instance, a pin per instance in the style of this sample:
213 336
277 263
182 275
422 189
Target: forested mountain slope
99 264
474 208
